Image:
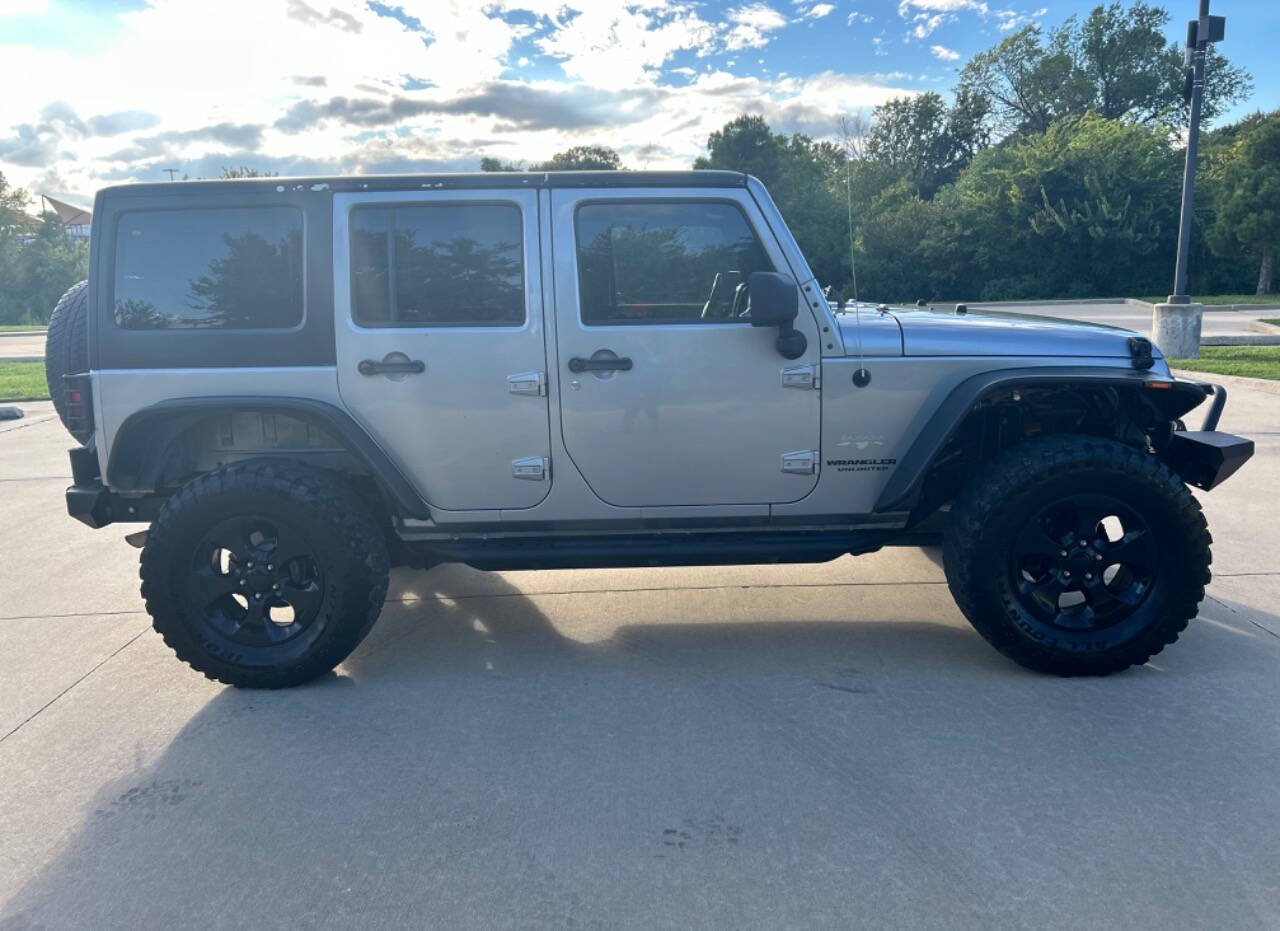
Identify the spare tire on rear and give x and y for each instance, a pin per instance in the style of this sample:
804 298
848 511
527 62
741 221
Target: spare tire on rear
66 347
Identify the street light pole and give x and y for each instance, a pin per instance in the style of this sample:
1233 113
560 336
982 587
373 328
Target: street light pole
1197 47
1176 323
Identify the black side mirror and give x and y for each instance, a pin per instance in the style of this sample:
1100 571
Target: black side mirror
775 301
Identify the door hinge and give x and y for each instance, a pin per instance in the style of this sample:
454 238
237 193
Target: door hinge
802 376
801 462
531 469
531 383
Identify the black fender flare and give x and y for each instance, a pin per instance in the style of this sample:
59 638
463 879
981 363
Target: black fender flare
902 490
139 447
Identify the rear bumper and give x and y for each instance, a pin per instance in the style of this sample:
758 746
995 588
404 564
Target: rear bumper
97 507
92 504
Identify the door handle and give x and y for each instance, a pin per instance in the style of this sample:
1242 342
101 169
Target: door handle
578 364
407 367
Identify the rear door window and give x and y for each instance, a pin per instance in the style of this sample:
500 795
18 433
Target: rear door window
223 268
437 265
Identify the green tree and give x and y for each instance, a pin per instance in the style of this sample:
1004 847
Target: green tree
244 171
805 179
489 163
1247 205
578 158
1027 82
926 141
13 207
38 260
897 246
1115 63
1088 208
582 158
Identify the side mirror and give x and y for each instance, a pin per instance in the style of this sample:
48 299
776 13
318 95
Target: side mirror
775 301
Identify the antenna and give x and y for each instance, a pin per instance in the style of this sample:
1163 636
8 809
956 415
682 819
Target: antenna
171 171
861 377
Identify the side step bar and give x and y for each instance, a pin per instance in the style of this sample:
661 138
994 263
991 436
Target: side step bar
651 549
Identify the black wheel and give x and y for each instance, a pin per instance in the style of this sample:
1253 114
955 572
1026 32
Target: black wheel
66 347
264 574
1077 555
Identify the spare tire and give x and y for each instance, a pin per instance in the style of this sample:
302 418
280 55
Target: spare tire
66 347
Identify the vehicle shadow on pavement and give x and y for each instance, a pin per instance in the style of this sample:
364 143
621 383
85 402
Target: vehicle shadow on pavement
484 761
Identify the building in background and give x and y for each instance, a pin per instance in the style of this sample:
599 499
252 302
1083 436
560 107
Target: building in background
75 220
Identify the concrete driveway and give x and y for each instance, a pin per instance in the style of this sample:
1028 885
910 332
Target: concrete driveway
822 746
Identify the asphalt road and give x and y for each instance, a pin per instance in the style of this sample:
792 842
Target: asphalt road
820 747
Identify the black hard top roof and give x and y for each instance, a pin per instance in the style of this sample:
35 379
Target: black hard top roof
479 179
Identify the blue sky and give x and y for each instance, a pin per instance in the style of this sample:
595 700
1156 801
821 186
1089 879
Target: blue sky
116 90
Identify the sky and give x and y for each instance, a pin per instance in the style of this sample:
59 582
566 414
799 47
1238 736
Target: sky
101 92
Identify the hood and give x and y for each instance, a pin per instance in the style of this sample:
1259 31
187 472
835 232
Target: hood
991 333
878 333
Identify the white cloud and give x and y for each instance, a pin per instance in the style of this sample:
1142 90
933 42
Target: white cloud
944 53
856 17
329 86
15 8
926 24
619 44
751 26
819 10
928 15
941 6
1011 19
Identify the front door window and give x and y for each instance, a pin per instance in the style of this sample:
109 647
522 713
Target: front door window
665 262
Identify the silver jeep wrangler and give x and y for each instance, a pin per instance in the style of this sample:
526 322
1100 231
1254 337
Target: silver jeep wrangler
298 384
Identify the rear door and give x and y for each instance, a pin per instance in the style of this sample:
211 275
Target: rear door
700 409
440 345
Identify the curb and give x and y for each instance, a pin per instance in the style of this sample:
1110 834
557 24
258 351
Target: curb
17 334
1259 340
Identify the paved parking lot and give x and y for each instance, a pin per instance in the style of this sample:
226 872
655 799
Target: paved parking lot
821 746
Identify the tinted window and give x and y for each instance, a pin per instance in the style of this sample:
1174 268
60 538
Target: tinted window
439 265
227 268
665 262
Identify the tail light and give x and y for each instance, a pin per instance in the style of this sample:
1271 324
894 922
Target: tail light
77 396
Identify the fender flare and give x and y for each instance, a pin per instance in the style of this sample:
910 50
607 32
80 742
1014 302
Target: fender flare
138 450
902 490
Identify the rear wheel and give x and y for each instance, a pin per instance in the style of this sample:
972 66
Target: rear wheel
264 574
1077 555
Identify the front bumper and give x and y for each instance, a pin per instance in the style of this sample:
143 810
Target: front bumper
1207 457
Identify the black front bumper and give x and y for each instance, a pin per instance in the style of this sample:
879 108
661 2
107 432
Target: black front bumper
1206 457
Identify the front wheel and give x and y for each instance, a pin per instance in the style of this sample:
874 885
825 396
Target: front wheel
1077 555
265 573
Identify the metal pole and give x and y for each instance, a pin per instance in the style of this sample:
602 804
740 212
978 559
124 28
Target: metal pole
1179 295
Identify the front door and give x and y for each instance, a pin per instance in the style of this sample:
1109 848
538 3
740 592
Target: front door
668 395
440 346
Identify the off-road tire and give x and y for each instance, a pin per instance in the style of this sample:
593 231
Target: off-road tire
66 347
986 518
349 549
